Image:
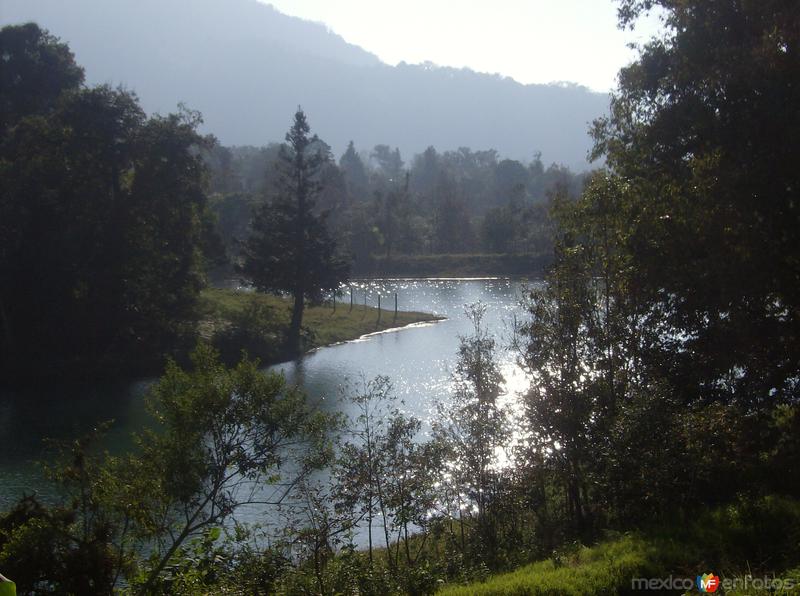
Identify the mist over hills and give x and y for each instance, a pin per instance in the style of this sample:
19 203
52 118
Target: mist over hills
246 67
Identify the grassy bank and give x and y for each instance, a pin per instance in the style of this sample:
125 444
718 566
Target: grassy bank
630 564
761 540
603 569
236 320
460 265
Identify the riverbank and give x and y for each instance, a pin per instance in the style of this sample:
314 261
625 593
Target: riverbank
236 320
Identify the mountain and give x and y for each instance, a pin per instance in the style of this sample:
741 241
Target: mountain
247 67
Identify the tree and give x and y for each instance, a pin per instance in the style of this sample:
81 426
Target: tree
37 69
384 473
452 229
474 427
333 198
425 172
510 182
392 217
65 548
232 213
674 295
705 127
354 173
227 438
290 249
562 406
536 177
473 175
433 207
104 223
362 463
389 162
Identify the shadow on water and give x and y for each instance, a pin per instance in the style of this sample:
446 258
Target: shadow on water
29 421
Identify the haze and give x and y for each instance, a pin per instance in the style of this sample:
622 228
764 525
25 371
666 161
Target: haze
531 41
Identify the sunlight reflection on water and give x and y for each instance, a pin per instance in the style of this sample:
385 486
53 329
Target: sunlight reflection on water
419 360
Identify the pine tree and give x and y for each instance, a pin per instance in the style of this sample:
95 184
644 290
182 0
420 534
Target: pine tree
355 174
290 249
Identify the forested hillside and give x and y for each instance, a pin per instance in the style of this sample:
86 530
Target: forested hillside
244 65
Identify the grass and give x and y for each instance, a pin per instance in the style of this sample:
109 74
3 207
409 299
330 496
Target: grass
610 568
237 319
760 540
602 569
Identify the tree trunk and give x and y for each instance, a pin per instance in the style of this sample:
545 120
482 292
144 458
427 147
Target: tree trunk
293 338
576 503
369 530
155 572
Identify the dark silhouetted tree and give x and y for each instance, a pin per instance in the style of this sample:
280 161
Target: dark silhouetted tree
103 219
290 249
36 69
705 126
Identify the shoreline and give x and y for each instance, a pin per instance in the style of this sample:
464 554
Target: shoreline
230 320
234 320
367 336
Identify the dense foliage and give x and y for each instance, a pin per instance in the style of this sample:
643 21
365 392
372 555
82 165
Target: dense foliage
102 215
704 128
664 348
220 439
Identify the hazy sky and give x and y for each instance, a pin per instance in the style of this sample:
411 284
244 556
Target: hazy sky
532 41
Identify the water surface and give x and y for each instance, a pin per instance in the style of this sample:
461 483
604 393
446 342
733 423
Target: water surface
419 360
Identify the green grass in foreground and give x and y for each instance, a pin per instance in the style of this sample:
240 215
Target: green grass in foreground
236 319
761 540
607 568
602 569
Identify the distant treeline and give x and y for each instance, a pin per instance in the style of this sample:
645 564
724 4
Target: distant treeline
449 265
455 202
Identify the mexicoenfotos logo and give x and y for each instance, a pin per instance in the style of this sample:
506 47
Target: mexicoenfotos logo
708 582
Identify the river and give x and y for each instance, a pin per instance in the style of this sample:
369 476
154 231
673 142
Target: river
419 361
